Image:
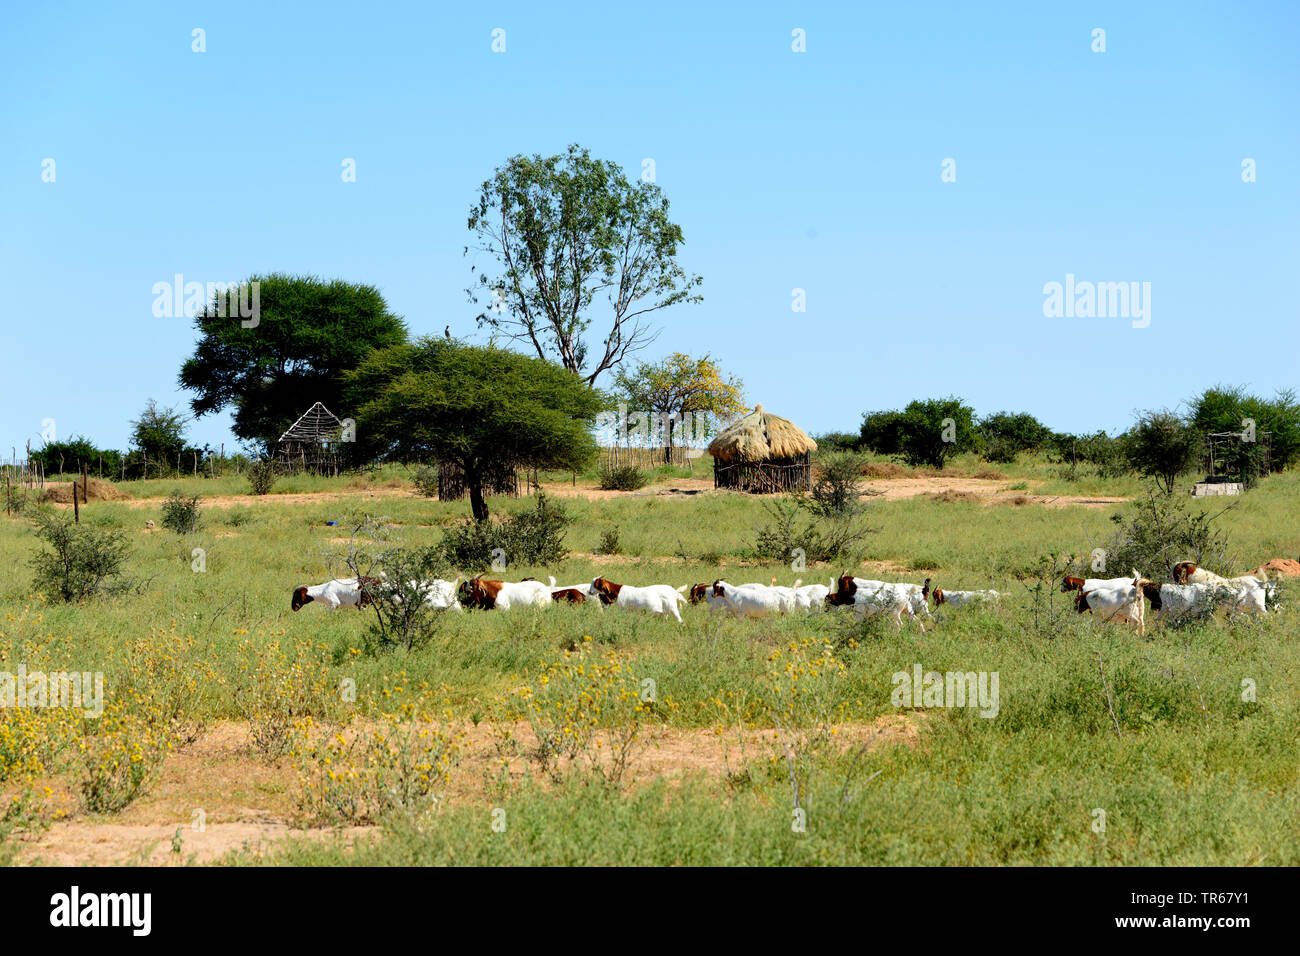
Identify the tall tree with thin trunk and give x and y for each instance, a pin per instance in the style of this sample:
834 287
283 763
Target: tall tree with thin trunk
574 239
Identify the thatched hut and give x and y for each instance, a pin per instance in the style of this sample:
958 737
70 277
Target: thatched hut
763 453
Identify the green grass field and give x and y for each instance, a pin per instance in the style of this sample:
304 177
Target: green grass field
1163 760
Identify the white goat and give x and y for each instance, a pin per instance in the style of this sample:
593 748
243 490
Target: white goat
340 592
1116 603
812 595
755 600
962 598
504 595
655 598
869 598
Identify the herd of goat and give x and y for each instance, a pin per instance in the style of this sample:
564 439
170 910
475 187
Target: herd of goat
1120 599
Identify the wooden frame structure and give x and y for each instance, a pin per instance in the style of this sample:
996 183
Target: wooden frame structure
311 443
774 476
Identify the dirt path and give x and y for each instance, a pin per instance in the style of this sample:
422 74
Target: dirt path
989 491
243 801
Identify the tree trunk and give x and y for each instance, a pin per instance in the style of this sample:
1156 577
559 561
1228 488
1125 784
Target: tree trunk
477 504
474 485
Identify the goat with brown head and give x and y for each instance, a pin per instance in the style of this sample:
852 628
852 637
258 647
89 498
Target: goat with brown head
479 593
606 590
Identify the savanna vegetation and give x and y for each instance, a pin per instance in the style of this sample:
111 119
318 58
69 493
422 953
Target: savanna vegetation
573 734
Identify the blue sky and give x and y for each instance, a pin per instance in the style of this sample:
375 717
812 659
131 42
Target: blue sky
817 170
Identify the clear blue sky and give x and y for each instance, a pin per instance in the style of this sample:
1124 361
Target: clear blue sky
818 171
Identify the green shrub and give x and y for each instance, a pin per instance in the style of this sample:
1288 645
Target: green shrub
262 476
180 513
609 543
83 560
919 434
1159 531
1004 435
837 441
525 537
799 528
425 480
838 488
402 619
622 478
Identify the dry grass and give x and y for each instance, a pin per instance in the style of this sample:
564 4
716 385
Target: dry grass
96 490
883 469
948 496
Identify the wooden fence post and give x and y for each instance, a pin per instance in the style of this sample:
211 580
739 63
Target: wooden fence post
76 509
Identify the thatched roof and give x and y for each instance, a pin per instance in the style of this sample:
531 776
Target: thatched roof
761 436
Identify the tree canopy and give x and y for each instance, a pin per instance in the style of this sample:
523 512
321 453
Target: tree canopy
1161 445
682 389
308 333
567 231
159 432
486 409
1230 408
926 432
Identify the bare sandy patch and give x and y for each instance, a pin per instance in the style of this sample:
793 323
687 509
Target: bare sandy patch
242 801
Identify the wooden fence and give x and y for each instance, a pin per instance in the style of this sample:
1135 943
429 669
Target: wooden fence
622 456
451 482
764 477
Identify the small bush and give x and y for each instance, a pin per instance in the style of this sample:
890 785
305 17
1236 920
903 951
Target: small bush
120 759
237 517
425 480
282 689
262 476
526 537
361 779
180 513
402 618
83 560
22 816
1159 531
622 478
585 714
797 528
18 501
999 451
609 543
838 441
838 487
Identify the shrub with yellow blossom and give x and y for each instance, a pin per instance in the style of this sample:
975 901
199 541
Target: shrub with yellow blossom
278 689
358 776
585 714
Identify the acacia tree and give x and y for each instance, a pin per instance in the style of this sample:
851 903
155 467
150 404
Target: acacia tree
487 409
309 332
1161 445
159 432
567 231
679 386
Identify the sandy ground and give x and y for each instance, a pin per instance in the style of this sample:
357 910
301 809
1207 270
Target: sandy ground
247 802
989 491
